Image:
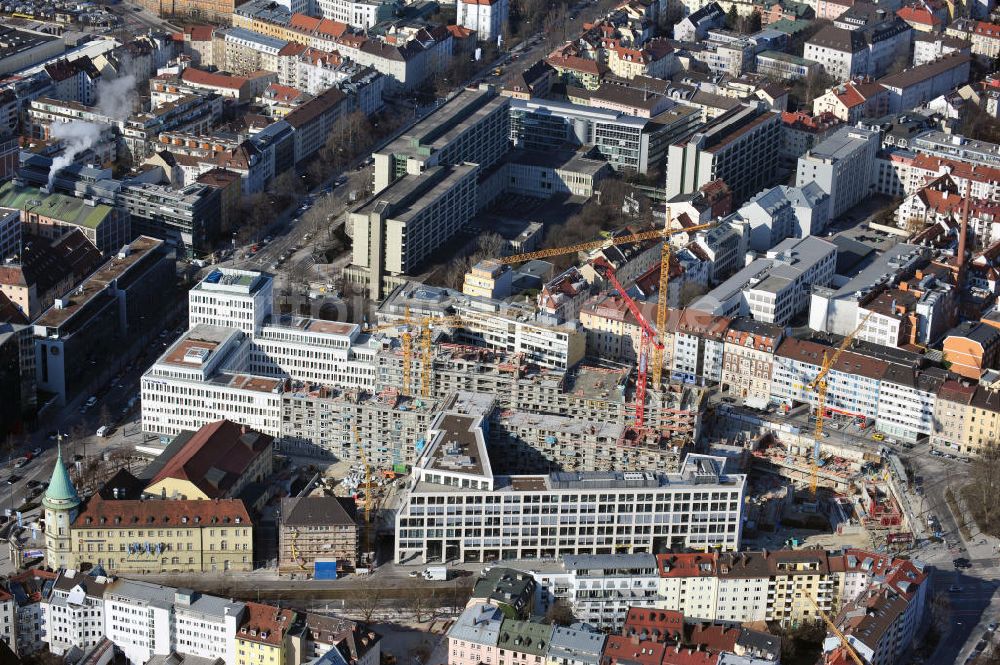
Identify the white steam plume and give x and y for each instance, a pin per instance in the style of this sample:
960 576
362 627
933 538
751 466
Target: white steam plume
77 137
115 97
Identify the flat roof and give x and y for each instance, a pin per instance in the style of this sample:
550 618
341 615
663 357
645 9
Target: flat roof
71 303
408 195
68 209
446 123
841 144
459 448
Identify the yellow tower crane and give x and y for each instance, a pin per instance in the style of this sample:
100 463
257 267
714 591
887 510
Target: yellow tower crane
407 342
836 631
368 489
818 384
425 358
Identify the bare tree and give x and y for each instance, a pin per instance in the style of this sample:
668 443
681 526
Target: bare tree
560 613
366 601
980 493
422 606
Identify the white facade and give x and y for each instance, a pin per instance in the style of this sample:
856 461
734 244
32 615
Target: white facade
600 588
843 165
498 517
486 17
357 13
75 612
138 619
189 386
231 298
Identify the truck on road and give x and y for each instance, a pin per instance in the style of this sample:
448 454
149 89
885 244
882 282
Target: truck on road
436 573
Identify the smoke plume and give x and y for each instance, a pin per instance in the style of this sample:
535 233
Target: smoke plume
116 97
77 136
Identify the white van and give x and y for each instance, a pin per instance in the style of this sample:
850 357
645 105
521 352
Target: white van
102 431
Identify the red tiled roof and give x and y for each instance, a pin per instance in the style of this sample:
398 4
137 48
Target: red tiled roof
460 31
129 513
212 80
292 48
282 93
576 63
265 624
987 30
304 22
199 33
331 28
214 457
964 170
914 14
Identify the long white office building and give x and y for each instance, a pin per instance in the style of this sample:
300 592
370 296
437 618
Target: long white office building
455 507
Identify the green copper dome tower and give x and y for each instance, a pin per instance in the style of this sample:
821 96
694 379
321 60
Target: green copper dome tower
61 504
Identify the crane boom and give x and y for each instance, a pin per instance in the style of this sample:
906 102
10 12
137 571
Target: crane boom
605 270
662 304
836 631
655 234
819 385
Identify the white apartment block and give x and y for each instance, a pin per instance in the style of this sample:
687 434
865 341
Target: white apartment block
456 507
776 288
899 398
600 587
74 613
205 626
843 165
866 51
231 298
362 14
141 619
486 17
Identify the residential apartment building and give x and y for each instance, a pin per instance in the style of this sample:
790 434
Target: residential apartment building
473 126
74 612
868 50
264 635
776 288
317 528
515 516
748 356
486 17
740 147
397 230
843 165
912 87
853 100
363 14
600 588
971 348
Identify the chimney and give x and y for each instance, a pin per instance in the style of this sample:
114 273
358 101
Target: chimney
963 233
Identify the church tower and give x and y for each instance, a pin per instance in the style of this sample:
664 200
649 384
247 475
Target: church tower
62 505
